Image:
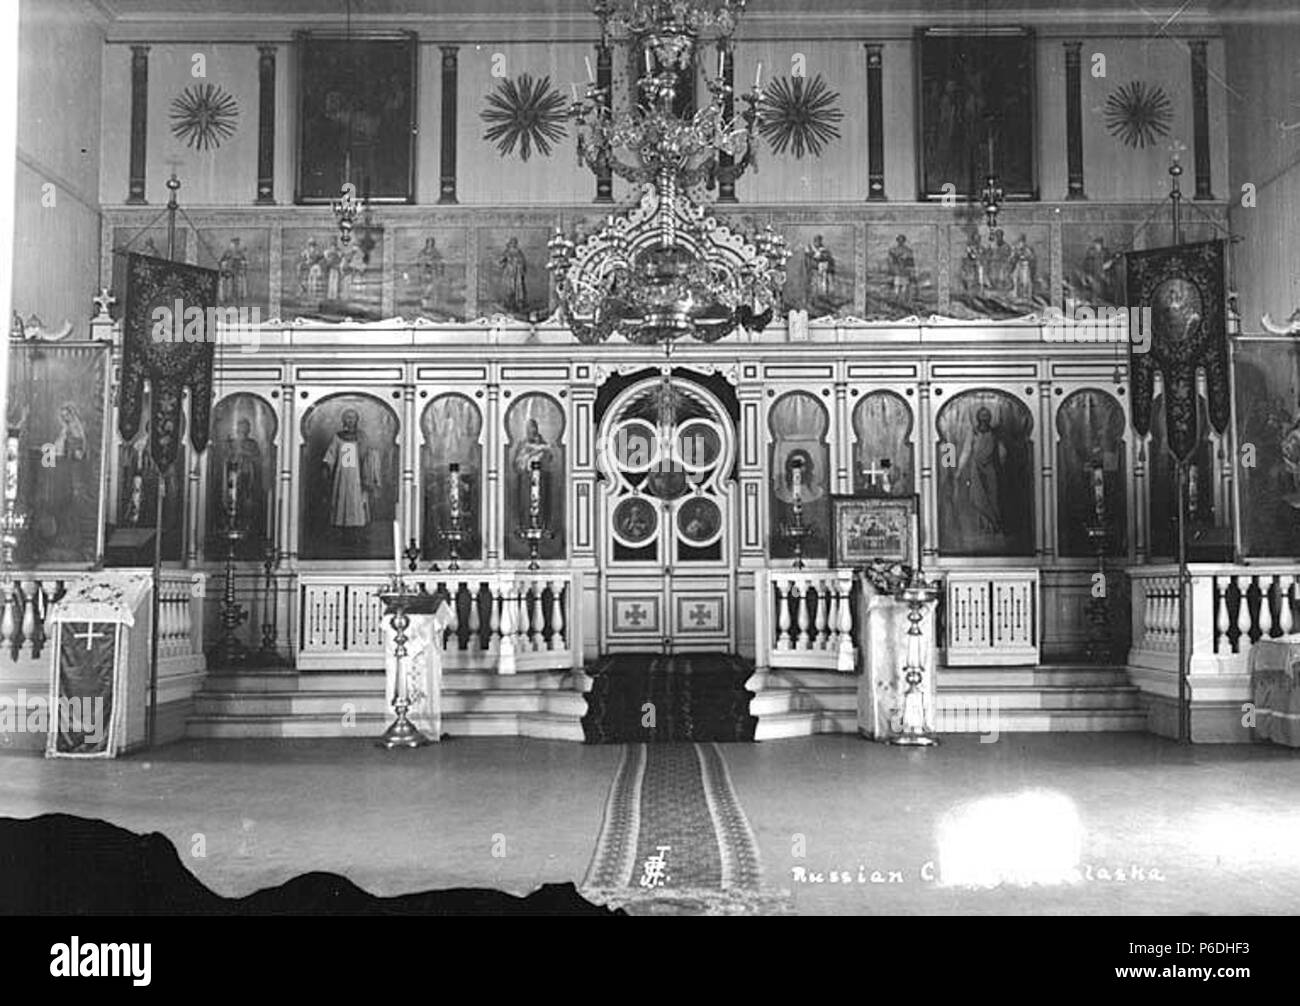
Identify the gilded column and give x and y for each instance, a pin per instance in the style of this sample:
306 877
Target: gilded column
875 122
1073 121
139 122
450 67
266 124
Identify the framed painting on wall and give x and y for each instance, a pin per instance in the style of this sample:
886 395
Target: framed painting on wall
976 111
356 115
865 528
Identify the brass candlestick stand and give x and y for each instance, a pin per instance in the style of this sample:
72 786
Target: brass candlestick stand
534 531
266 654
915 731
229 650
795 531
400 601
12 521
454 533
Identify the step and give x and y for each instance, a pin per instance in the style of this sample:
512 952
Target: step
804 724
1083 675
371 725
348 681
306 703
1042 697
783 700
1011 721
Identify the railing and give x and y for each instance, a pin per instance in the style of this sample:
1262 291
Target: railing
1231 608
502 621
992 616
23 638
806 619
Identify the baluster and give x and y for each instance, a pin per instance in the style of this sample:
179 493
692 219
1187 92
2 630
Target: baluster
453 623
184 618
1243 616
1265 606
520 617
28 589
494 618
1284 622
536 626
1221 623
474 642
847 658
820 621
7 620
833 616
509 607
557 641
803 643
782 614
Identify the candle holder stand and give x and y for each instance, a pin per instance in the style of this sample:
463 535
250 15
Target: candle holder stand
400 602
915 729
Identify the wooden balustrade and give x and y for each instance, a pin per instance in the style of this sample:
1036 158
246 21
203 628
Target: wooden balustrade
812 619
27 603
1230 608
502 621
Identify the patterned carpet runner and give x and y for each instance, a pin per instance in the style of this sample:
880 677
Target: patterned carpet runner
679 697
675 840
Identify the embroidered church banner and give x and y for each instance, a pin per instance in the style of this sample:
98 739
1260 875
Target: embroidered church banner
1182 287
168 333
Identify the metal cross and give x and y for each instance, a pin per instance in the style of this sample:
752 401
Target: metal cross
700 614
105 300
636 614
873 473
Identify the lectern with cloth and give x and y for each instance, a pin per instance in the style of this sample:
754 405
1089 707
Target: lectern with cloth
100 672
1275 689
889 707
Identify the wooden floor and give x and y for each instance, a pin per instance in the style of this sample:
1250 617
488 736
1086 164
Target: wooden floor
1196 830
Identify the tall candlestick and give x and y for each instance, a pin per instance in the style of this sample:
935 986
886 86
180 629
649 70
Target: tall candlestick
535 490
397 548
232 483
796 482
649 68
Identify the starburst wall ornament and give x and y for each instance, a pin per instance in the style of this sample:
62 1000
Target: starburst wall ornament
1138 115
800 118
526 113
204 116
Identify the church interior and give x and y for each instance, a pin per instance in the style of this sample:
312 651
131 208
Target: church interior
733 457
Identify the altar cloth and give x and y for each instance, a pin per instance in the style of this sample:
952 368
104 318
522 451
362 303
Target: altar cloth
883 647
1275 689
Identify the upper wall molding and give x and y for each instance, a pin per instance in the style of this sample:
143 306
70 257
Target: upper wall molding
756 27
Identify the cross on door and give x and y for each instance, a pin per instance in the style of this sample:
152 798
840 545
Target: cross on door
700 614
90 635
636 614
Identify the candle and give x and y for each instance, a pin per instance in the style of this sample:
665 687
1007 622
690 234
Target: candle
11 469
648 67
758 76
796 481
722 63
1192 493
232 483
914 529
1099 489
591 76
397 548
885 468
535 489
453 490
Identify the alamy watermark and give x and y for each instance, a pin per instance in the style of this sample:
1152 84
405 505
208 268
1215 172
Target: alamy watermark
225 326
23 713
1100 324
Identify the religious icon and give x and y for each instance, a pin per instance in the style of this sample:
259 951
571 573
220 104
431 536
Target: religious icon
138 481
452 425
243 450
513 277
232 287
329 278
902 269
998 278
352 472
819 272
985 475
432 272
635 520
799 461
866 529
980 467
1090 471
699 520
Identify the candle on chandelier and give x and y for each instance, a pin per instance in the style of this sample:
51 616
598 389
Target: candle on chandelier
591 76
758 76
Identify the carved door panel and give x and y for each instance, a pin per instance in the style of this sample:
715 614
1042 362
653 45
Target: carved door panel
668 537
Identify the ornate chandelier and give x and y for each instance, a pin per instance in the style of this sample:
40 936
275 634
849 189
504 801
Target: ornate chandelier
665 268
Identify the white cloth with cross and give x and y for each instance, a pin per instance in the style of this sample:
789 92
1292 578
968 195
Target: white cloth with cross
421 666
107 604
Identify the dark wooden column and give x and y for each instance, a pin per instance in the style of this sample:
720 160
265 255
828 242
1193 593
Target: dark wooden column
875 123
605 81
1074 121
139 122
1201 120
450 65
266 124
727 163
